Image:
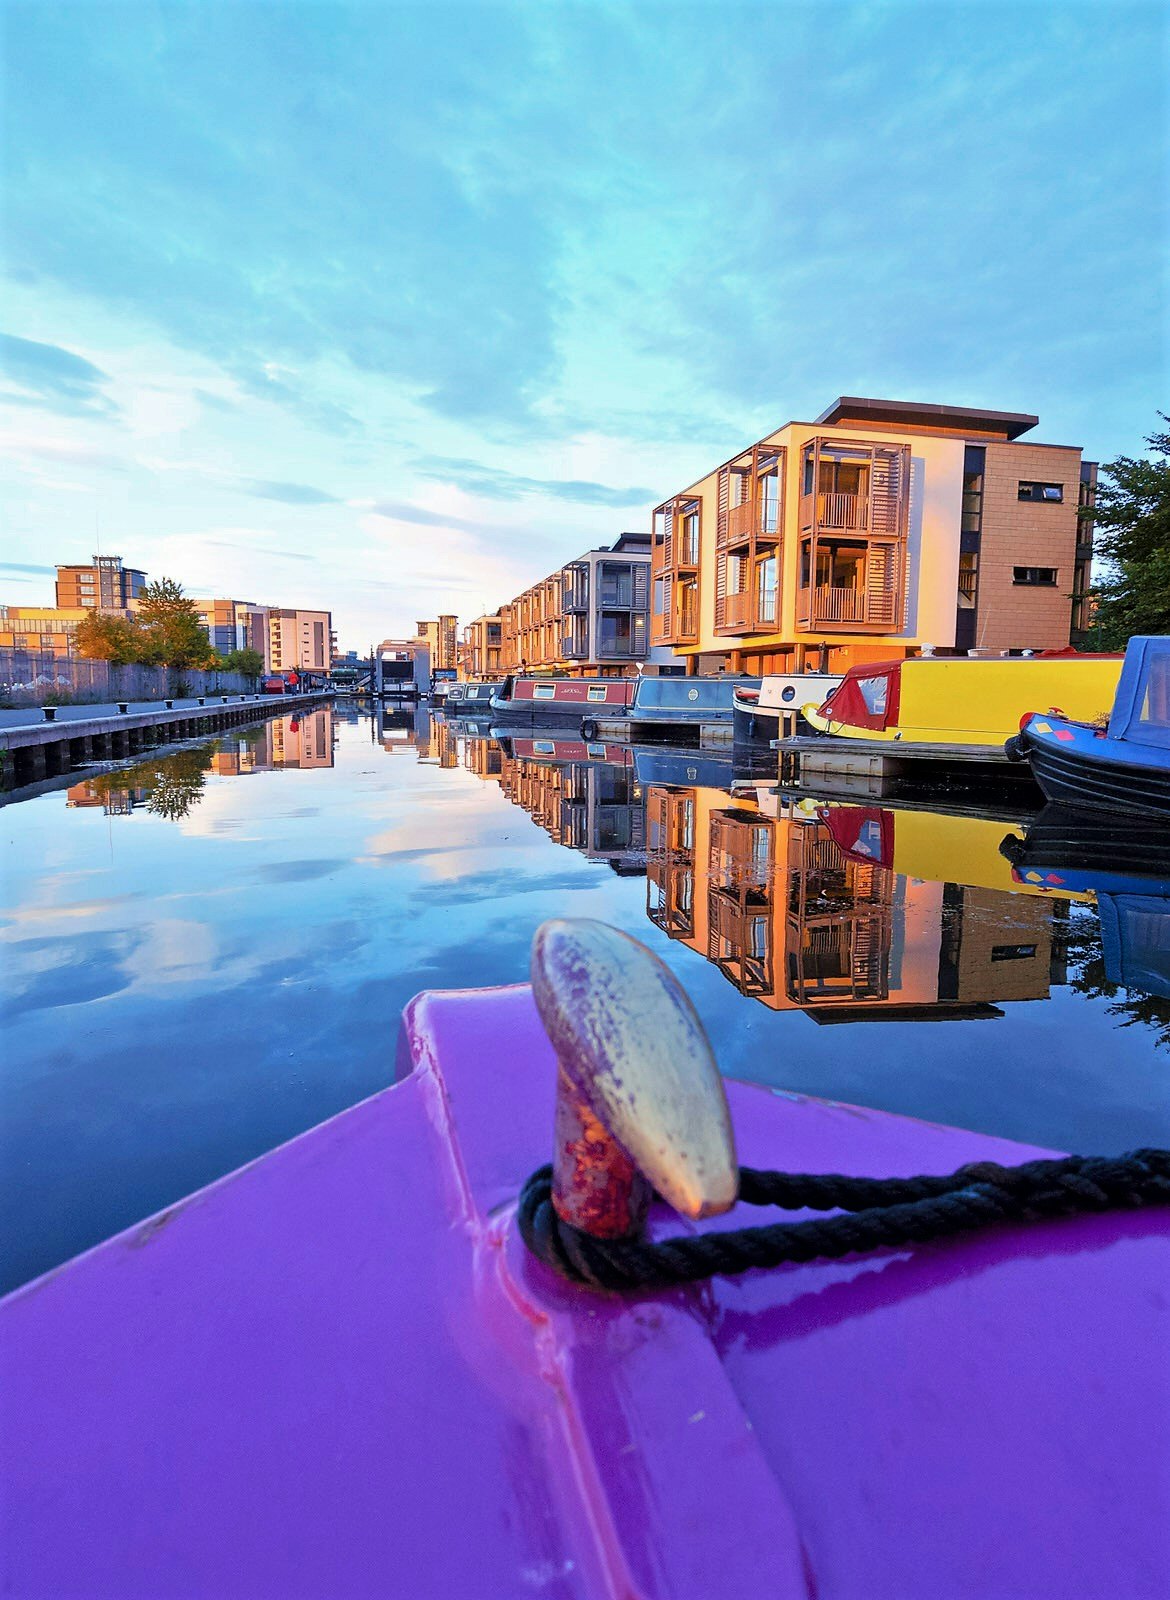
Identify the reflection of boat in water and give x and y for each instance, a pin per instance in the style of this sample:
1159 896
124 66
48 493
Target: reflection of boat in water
666 765
949 847
1065 848
1125 863
759 711
1119 764
960 700
348 1320
540 702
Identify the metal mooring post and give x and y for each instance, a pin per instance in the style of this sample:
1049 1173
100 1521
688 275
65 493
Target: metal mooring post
640 1104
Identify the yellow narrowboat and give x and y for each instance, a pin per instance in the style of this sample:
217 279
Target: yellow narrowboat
962 699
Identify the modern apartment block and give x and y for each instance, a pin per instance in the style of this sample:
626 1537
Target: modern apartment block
881 527
480 653
51 630
590 617
105 585
441 639
234 625
301 641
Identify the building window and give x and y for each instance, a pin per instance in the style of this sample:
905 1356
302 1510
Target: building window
1053 493
1036 577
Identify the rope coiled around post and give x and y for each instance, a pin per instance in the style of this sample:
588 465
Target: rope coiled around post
878 1212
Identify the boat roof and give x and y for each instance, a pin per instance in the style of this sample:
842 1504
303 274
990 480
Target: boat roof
338 1372
687 694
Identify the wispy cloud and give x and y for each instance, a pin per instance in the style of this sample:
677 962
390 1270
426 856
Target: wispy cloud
50 376
496 484
20 566
289 494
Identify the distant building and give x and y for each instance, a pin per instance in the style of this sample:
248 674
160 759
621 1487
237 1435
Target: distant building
105 585
591 616
441 640
235 625
49 630
299 640
479 654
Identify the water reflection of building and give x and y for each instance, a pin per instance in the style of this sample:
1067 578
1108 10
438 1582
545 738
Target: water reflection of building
304 740
114 801
587 803
796 921
412 728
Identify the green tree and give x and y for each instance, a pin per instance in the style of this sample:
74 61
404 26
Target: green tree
101 637
173 634
249 663
1131 522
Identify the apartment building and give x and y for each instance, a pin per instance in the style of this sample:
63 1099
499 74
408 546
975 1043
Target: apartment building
234 624
301 641
879 528
105 585
480 653
441 639
51 630
589 618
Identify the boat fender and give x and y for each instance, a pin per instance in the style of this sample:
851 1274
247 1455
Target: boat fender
1015 748
589 730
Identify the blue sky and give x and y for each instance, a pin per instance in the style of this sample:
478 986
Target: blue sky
393 308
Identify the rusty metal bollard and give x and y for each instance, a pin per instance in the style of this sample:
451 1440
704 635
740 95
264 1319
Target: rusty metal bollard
640 1104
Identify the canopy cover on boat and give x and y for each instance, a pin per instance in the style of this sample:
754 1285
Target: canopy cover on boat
1141 709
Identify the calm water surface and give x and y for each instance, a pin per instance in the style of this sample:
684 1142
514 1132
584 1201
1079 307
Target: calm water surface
208 953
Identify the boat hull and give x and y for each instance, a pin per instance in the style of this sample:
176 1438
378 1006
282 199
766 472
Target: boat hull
1078 766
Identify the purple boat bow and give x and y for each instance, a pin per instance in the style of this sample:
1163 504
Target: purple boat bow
338 1372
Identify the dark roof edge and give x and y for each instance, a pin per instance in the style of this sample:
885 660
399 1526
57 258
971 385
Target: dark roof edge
1013 423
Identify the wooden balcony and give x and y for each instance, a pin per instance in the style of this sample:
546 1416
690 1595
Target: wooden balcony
737 610
829 511
828 607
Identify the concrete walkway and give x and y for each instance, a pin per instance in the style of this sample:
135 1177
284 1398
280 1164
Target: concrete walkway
30 716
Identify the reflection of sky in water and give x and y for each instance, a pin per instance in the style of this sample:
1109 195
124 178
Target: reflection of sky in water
182 995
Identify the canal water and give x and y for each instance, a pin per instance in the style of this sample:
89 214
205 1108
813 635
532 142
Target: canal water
208 952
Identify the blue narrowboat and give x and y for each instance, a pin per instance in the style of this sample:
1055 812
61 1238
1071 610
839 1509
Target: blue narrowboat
1122 766
665 705
469 699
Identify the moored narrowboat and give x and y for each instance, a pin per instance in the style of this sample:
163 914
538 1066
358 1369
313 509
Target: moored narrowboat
318 1344
1118 763
665 705
537 702
470 699
962 699
759 712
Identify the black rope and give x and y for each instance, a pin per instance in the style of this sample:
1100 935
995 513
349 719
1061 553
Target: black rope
877 1212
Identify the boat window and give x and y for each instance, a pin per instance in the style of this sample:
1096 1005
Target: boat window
597 692
544 747
788 694
875 693
543 691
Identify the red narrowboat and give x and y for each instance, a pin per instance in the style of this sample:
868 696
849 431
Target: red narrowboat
540 701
